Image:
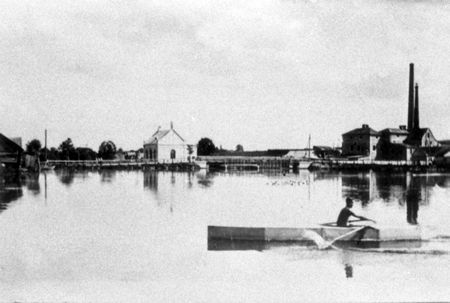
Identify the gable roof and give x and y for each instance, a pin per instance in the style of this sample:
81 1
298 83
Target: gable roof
362 131
444 142
415 136
396 131
8 146
442 151
161 133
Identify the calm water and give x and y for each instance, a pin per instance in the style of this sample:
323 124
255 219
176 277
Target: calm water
142 236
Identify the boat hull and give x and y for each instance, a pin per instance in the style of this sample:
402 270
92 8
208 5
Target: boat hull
288 234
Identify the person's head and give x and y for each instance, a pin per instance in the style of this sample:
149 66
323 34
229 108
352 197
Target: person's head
349 202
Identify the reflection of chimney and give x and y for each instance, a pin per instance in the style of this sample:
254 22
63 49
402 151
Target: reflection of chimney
416 108
411 97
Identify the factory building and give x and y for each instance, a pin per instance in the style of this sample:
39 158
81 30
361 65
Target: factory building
410 143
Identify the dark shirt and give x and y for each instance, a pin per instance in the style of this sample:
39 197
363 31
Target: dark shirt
343 217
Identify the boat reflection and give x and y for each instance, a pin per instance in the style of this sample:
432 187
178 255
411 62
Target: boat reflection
224 245
370 246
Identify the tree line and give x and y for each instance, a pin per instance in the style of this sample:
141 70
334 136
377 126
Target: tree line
106 151
67 151
206 147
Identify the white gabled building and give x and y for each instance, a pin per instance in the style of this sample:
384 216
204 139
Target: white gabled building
167 146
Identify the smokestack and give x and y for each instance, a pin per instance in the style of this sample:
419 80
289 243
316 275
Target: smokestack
411 97
416 108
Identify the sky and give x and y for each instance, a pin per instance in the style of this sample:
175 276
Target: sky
260 73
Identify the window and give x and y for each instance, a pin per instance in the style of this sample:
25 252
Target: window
172 154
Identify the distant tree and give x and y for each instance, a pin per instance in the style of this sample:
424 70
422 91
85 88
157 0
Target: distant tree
205 147
67 150
107 150
34 146
52 154
86 153
239 148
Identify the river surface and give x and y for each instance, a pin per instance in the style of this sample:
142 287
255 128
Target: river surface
134 236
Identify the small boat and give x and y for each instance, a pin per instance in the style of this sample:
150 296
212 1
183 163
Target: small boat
47 166
201 164
307 234
304 164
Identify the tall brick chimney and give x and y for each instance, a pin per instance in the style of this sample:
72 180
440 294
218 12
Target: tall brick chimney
416 108
411 97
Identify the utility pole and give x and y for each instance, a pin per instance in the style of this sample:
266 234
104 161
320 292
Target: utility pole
46 145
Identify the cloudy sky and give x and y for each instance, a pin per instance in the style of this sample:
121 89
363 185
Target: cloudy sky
261 73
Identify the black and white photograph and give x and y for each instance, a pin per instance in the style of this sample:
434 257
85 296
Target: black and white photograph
224 151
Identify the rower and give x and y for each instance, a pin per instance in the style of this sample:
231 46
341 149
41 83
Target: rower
345 213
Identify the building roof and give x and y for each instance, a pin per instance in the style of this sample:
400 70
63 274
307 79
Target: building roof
415 136
444 142
323 147
443 151
161 133
395 131
365 130
8 146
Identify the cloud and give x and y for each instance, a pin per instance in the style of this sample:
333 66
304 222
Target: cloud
151 62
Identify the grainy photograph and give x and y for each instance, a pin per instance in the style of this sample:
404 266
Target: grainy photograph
224 151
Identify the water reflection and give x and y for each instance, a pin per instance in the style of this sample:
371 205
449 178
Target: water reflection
348 271
10 190
205 178
107 175
32 183
407 189
151 180
66 176
358 186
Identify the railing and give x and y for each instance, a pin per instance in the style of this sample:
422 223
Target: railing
373 162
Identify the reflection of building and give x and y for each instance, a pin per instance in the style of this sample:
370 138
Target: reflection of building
151 180
413 197
411 143
408 190
360 186
10 194
166 146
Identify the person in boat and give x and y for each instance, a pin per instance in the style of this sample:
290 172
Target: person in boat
345 213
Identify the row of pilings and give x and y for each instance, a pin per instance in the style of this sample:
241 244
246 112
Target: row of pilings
244 164
120 165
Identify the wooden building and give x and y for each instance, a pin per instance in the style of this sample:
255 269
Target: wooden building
168 146
10 153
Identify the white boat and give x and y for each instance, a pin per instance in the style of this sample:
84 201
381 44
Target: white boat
201 164
328 233
47 166
304 164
